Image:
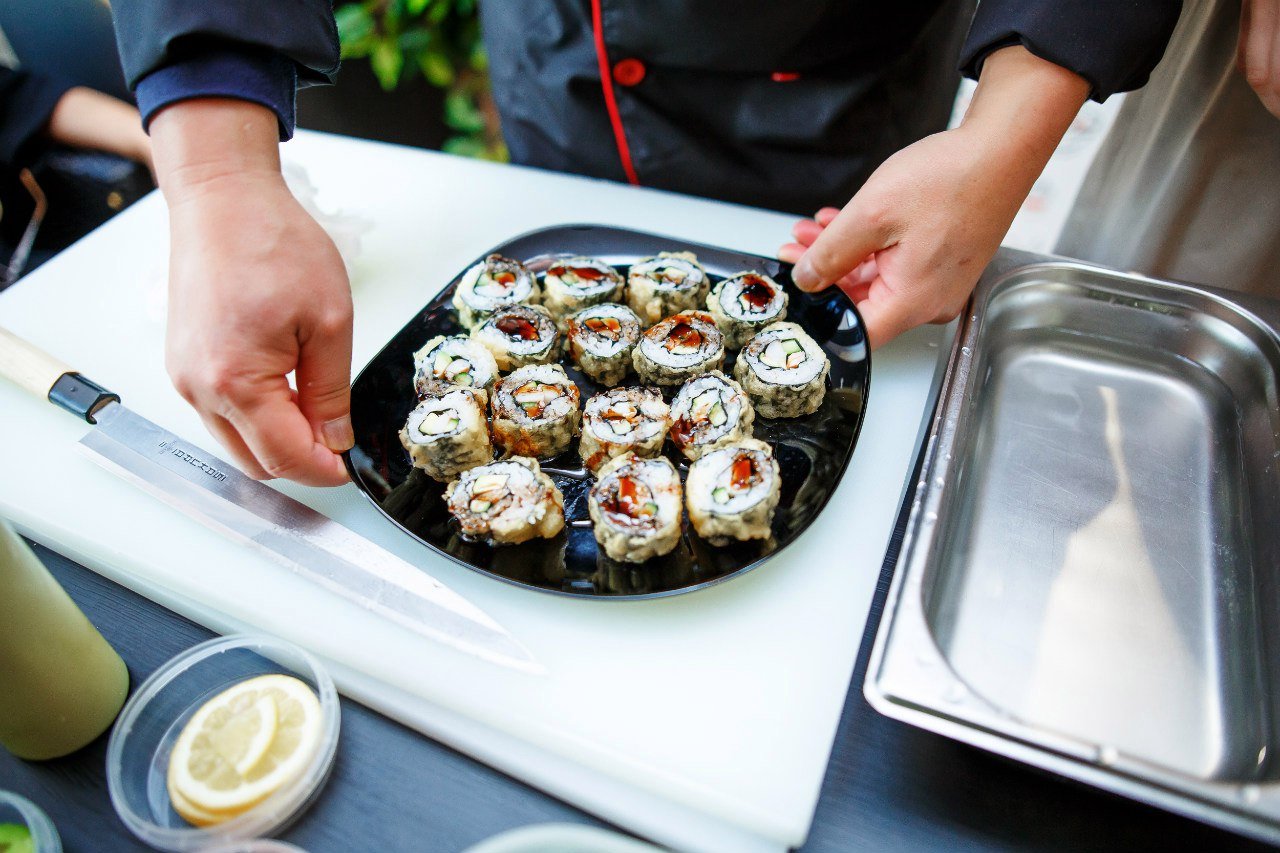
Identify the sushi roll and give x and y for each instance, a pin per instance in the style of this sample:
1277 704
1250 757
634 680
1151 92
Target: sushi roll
635 508
535 411
601 339
623 420
664 285
506 502
709 412
517 335
732 492
784 371
491 284
457 360
745 304
679 348
447 432
572 284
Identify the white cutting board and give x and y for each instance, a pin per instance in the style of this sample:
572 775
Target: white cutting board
702 721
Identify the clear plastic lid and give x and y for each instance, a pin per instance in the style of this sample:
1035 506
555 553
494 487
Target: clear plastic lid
21 811
148 728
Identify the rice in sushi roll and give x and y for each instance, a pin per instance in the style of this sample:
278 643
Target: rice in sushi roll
506 502
623 420
745 304
601 339
732 492
679 348
455 359
517 335
635 508
535 411
572 284
664 285
709 412
491 284
784 371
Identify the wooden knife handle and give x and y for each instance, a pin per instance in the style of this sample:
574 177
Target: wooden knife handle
34 370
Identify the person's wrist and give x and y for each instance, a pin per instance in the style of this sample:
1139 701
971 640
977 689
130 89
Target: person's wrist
1021 108
208 143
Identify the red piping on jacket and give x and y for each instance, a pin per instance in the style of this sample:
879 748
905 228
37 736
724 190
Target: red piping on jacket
610 103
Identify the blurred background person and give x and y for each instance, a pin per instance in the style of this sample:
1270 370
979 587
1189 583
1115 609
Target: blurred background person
70 155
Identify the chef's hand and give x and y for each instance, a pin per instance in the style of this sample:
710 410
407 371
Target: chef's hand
1258 51
911 244
256 290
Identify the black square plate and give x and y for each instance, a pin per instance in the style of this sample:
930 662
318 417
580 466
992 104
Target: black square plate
812 451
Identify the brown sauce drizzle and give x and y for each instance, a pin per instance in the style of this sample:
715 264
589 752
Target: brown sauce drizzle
682 431
584 273
607 327
744 474
517 328
757 292
682 334
628 500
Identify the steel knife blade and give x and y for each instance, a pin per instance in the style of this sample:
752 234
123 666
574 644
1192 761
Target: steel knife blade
305 541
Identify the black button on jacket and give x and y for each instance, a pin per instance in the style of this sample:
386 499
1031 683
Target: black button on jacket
788 105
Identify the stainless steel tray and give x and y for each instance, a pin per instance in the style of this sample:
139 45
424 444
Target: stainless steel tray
1090 580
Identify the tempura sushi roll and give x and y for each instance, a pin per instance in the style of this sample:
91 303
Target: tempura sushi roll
623 420
489 285
572 284
664 285
447 432
506 502
535 411
517 335
679 348
745 304
709 412
784 371
455 359
731 492
635 508
601 339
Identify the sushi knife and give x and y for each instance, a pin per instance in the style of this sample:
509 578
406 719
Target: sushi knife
215 493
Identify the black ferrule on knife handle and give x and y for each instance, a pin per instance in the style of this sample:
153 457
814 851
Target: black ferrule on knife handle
79 396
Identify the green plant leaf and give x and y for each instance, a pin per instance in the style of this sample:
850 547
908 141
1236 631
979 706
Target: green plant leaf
439 11
354 23
437 68
387 62
416 7
464 146
462 114
415 40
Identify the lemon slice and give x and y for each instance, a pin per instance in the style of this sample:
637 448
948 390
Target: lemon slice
242 746
189 812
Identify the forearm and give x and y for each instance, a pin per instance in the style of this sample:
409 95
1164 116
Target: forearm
213 140
1019 113
87 119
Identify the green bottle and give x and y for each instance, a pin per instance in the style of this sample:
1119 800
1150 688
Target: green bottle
63 685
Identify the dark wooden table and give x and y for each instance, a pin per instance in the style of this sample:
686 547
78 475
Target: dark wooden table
888 787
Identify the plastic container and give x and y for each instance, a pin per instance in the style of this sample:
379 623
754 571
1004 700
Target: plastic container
561 838
254 845
20 810
144 736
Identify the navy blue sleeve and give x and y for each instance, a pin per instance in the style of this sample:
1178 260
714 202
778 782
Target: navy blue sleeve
152 34
26 103
1113 45
262 77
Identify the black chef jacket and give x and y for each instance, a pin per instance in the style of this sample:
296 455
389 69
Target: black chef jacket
788 105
